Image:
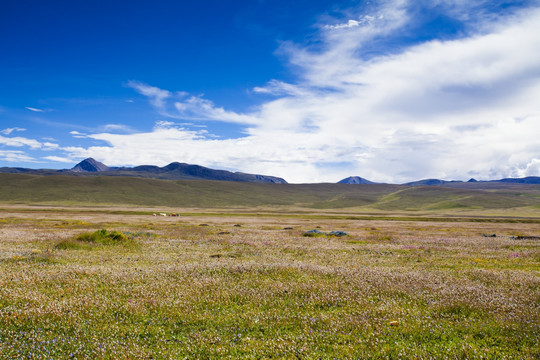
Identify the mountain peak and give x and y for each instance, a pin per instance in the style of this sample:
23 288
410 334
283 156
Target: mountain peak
89 165
355 180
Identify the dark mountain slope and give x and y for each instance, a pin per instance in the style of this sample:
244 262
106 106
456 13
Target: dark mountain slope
181 171
90 165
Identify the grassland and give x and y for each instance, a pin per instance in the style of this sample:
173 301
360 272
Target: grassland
247 284
516 200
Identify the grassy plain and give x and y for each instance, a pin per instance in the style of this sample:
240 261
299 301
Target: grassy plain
247 284
465 198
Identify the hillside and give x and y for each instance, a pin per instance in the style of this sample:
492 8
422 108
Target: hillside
75 190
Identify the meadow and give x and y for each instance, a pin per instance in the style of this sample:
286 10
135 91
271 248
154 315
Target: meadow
211 284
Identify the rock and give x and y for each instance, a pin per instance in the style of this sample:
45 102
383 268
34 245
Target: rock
338 233
526 237
314 233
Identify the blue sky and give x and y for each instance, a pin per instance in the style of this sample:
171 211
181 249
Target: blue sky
312 91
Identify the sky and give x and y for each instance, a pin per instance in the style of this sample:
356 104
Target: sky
311 91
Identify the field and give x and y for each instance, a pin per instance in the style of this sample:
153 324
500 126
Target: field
248 284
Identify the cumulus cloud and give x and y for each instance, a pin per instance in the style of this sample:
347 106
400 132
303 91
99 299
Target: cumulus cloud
531 169
448 108
165 144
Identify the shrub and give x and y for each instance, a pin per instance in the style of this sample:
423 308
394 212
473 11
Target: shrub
103 237
89 240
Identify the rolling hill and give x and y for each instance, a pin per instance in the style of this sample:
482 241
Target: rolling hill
118 190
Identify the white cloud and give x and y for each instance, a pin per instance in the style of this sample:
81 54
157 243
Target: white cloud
48 138
117 127
22 142
8 131
19 142
197 108
78 135
531 169
349 24
280 88
363 21
15 156
34 109
445 108
50 146
157 96
181 105
59 159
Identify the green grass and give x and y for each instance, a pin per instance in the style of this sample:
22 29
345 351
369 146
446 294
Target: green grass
389 290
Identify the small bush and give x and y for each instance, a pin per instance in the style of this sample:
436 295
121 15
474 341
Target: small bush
103 237
90 240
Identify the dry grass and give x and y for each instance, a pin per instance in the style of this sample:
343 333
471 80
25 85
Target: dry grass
388 290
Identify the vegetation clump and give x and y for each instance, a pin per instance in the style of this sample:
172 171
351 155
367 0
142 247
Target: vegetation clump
103 237
88 240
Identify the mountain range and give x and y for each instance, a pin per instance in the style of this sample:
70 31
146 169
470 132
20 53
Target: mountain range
173 171
450 183
182 171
